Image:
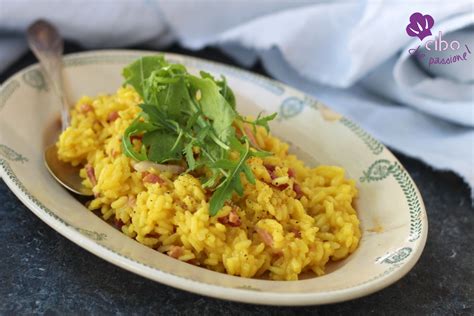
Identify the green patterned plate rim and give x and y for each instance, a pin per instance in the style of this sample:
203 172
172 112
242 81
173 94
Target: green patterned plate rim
293 103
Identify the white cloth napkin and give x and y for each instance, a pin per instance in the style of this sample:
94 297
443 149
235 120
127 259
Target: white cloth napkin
351 55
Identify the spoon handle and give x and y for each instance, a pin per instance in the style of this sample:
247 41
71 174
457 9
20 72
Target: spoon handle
47 45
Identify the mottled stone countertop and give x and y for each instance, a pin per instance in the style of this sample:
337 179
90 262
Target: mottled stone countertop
43 272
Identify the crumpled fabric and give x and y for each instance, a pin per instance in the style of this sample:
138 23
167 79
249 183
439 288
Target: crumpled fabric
353 56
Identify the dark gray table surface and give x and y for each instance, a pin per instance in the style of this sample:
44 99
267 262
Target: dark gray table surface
43 272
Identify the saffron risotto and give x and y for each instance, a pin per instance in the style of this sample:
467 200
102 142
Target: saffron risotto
294 219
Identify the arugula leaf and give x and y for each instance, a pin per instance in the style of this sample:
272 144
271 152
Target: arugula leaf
223 163
224 89
135 128
260 121
162 146
188 151
214 106
230 184
263 120
154 114
249 174
173 99
136 73
212 180
226 92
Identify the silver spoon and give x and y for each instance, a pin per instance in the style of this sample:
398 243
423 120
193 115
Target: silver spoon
47 45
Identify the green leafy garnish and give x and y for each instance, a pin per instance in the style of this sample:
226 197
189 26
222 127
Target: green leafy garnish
192 119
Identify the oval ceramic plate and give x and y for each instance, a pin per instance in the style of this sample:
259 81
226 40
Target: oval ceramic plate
393 219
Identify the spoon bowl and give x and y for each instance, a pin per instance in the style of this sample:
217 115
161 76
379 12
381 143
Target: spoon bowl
64 173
